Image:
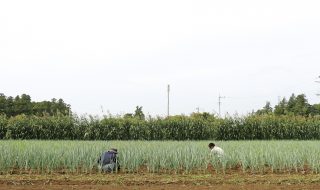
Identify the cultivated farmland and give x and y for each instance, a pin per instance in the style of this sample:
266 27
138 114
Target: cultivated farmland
169 157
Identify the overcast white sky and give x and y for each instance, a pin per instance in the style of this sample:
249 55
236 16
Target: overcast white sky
119 54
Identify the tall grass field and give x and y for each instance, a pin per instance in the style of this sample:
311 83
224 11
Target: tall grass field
160 156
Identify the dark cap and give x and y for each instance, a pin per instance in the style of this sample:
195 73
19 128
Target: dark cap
114 150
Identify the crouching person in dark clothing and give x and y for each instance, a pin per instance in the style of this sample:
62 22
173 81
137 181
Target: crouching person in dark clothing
108 161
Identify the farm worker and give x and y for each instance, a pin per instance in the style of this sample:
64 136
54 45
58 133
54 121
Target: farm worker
108 161
215 150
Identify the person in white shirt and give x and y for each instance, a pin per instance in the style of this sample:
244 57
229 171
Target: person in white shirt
215 150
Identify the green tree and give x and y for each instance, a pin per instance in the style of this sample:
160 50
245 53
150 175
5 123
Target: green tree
281 108
315 109
23 105
291 104
3 102
267 109
297 105
138 113
301 106
10 106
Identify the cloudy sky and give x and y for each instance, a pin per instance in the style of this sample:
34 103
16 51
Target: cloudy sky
119 54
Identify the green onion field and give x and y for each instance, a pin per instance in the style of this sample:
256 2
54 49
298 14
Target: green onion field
38 156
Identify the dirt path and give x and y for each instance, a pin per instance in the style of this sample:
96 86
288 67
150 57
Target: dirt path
162 187
160 182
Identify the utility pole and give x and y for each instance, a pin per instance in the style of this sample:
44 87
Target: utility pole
101 109
168 89
198 109
318 81
219 102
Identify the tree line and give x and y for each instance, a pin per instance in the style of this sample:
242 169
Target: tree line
21 118
13 106
296 105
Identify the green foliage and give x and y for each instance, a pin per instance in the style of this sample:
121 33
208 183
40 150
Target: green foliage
281 108
315 109
3 126
204 115
195 127
35 127
138 114
160 156
267 109
296 105
269 127
23 105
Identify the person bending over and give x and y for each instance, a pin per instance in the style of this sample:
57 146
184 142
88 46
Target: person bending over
215 150
108 161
